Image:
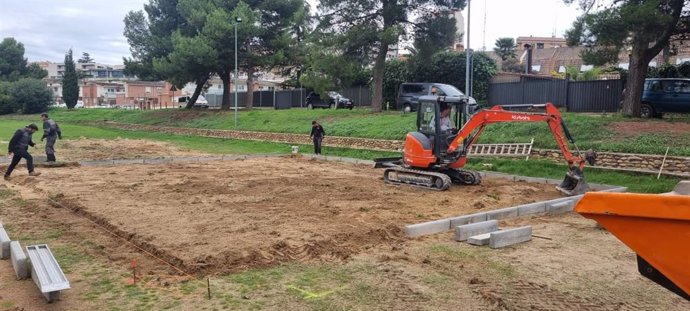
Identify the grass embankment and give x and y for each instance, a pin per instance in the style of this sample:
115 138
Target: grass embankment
534 168
590 131
204 144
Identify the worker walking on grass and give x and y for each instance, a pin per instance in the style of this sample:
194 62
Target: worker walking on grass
19 148
51 131
317 134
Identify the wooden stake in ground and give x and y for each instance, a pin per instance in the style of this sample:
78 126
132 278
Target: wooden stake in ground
662 163
208 286
134 271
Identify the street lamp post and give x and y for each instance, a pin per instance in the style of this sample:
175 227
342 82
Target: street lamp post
468 65
237 20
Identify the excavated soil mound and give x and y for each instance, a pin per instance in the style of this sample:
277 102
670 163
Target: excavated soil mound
232 215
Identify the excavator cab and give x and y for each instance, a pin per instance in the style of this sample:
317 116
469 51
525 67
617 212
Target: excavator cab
431 116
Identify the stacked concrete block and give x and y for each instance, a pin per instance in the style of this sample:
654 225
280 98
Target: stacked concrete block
4 244
479 240
46 272
19 262
509 237
465 231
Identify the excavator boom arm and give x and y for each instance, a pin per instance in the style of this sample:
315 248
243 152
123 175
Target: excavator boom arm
498 115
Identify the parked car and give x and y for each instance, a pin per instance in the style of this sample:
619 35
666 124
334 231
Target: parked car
665 95
182 101
334 100
409 93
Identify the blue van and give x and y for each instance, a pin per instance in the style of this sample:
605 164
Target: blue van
665 95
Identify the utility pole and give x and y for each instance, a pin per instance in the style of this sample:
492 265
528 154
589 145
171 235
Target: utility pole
468 69
468 55
237 20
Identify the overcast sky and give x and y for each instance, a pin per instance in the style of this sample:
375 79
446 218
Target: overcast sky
48 28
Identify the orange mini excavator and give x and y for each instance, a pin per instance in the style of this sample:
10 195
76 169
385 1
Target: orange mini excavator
435 154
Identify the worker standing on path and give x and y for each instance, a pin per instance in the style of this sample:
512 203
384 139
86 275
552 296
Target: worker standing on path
19 148
317 134
51 131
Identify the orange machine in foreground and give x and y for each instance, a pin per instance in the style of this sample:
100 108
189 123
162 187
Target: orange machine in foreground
656 227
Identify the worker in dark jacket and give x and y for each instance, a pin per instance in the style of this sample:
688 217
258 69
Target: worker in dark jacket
51 131
19 148
317 134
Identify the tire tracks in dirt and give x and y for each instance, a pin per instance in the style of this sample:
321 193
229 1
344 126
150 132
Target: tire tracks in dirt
525 295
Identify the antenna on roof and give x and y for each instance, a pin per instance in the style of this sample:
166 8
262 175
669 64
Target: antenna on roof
484 31
555 18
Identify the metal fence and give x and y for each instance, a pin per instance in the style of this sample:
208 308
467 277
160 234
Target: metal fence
576 96
284 99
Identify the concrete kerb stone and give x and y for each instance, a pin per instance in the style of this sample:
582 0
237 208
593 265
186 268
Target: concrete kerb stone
4 244
19 262
515 211
426 228
263 155
509 237
559 208
128 161
616 189
479 240
97 163
158 161
502 213
465 231
467 219
185 159
682 188
532 208
234 157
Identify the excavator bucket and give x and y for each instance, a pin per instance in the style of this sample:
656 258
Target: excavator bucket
574 183
656 227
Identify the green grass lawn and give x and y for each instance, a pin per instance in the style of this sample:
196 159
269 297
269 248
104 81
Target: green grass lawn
589 130
203 144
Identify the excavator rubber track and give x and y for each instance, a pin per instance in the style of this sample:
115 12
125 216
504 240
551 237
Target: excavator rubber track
465 177
418 178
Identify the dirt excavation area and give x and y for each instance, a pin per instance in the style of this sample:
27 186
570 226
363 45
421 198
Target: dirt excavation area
108 149
283 233
233 215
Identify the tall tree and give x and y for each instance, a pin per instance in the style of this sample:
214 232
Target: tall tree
85 58
150 34
36 72
12 61
505 48
191 59
70 82
265 34
31 95
378 24
282 24
646 26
